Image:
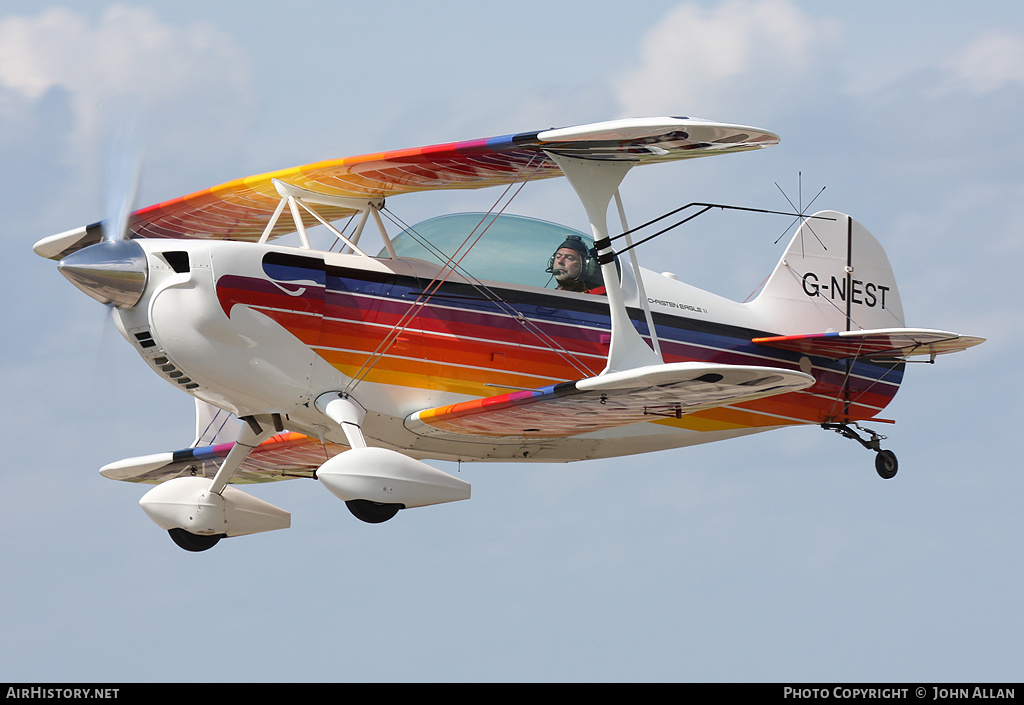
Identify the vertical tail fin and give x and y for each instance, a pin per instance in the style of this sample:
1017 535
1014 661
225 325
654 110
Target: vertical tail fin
834 276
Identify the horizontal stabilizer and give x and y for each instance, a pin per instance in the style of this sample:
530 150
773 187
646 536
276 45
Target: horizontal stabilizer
281 457
889 343
616 399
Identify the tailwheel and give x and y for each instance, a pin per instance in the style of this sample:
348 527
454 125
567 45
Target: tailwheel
885 460
885 464
193 542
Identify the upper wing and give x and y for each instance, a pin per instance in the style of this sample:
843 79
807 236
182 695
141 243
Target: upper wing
597 403
240 210
281 457
889 343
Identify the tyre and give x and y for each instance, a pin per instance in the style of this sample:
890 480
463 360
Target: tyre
372 512
885 464
193 542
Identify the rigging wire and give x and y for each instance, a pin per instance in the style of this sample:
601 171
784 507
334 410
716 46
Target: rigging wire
416 306
343 231
705 209
844 396
449 266
452 263
490 295
801 209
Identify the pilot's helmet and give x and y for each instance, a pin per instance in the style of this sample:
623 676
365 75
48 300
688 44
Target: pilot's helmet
588 257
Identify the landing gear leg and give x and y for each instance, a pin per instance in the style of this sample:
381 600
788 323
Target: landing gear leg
885 460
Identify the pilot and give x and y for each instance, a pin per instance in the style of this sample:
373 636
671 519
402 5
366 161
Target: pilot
575 266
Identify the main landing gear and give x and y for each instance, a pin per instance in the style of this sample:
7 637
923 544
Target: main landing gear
194 542
885 460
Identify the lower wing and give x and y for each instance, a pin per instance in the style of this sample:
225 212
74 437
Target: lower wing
281 457
603 402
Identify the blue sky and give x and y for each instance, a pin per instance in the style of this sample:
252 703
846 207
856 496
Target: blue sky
780 557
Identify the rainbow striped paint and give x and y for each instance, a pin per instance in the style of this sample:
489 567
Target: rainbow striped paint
241 209
463 343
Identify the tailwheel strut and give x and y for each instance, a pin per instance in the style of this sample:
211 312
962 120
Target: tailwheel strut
885 460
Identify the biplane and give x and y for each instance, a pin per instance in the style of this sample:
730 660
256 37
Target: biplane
471 336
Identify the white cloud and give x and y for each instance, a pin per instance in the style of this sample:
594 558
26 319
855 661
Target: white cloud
27 63
126 52
988 63
708 60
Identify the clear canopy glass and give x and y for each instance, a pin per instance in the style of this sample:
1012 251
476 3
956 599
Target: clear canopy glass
511 248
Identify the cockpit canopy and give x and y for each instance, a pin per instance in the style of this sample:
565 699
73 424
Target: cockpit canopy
512 248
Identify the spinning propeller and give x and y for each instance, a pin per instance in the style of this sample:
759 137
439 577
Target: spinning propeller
113 271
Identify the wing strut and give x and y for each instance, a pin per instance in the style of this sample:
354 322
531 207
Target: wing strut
638 276
250 436
595 182
294 197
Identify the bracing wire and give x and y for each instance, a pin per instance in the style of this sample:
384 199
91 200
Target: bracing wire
487 293
452 264
705 207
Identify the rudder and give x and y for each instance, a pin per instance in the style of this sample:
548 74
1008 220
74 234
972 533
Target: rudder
834 276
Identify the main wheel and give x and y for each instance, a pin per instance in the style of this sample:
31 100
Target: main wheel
193 542
372 512
885 464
